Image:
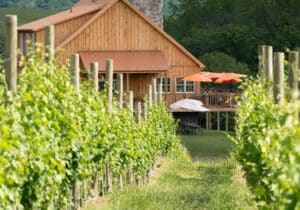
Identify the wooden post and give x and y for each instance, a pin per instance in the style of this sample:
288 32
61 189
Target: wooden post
227 121
11 52
160 93
145 111
218 120
109 70
139 113
150 95
49 43
261 60
154 92
76 196
293 74
130 101
108 179
75 72
95 76
127 82
278 91
268 63
207 124
121 89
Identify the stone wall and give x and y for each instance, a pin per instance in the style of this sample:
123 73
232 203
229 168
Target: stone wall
151 8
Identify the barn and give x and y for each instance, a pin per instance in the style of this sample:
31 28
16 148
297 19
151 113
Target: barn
130 33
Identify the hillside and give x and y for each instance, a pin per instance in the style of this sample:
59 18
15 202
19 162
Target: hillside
24 16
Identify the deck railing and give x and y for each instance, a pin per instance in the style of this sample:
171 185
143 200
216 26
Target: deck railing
210 98
219 99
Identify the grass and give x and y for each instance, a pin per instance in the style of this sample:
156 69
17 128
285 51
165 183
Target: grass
206 182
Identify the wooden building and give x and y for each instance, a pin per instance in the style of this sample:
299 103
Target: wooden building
118 30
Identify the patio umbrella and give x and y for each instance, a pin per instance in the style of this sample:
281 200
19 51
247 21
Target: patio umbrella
189 105
229 78
212 75
198 77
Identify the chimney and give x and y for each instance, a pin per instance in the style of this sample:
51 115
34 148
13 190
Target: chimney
151 8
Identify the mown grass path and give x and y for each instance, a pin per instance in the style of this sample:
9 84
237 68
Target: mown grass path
209 181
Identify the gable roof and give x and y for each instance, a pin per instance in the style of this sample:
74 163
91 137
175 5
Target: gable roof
83 7
100 7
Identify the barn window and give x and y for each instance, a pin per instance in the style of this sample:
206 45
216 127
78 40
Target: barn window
183 86
166 84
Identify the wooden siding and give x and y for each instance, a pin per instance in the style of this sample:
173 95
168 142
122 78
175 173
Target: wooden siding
65 29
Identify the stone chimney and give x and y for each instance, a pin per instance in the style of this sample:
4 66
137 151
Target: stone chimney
151 8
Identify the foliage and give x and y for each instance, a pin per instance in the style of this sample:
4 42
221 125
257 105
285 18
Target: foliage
221 62
268 147
46 4
52 137
208 182
234 27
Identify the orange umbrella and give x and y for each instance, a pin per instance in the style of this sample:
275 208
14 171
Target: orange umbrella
229 78
198 77
212 75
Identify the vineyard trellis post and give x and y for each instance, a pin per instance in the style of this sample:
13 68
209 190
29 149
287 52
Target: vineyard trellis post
278 88
49 45
268 55
139 113
145 113
261 60
154 92
109 70
160 92
121 89
75 72
130 101
11 63
150 101
293 74
95 76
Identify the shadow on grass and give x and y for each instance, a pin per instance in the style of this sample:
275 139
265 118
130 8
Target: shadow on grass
209 146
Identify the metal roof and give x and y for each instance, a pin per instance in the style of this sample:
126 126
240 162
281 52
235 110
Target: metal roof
127 61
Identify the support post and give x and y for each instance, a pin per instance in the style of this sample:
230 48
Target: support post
121 90
218 120
109 70
49 43
154 92
207 124
75 72
293 75
11 52
227 121
130 101
139 113
95 76
278 91
150 95
127 82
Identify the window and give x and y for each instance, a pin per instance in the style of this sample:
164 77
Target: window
166 84
102 84
183 86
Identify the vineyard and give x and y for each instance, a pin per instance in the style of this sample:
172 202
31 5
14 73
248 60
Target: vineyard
58 144
268 132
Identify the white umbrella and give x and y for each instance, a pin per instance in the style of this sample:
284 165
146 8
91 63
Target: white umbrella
188 105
